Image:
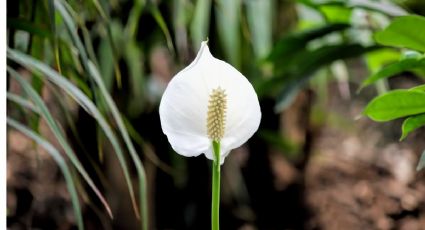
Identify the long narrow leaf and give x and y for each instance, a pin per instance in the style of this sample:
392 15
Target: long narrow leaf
121 126
45 113
22 102
228 26
61 163
259 15
161 23
52 19
107 26
72 30
199 27
83 101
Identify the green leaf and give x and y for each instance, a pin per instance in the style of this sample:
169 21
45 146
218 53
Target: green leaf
124 133
396 104
376 59
163 25
133 19
419 88
22 102
334 13
395 68
404 32
83 101
300 68
44 111
133 57
55 154
288 45
411 124
228 27
199 27
62 8
27 26
200 24
52 21
260 21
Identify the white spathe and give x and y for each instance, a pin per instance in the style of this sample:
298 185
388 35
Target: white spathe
184 107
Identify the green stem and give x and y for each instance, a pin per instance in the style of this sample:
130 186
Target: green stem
215 206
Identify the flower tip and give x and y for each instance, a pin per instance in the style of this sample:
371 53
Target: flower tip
204 44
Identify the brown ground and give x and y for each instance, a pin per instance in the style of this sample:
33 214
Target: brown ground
362 177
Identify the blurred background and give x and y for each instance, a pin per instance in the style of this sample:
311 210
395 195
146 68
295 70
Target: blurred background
84 139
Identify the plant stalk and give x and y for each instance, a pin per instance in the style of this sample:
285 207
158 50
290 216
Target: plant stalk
215 206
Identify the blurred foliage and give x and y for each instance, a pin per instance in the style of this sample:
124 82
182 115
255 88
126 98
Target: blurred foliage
99 54
400 103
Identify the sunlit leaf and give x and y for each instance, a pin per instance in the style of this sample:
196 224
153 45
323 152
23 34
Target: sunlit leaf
418 88
376 59
335 13
396 104
404 32
411 124
395 68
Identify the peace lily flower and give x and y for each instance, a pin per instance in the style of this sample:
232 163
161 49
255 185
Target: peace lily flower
209 102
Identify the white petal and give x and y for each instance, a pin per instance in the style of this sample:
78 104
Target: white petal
243 108
210 154
184 106
243 116
183 111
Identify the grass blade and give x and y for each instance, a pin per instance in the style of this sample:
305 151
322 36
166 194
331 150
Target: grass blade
45 113
83 101
22 102
61 163
163 25
52 18
199 27
260 16
124 133
228 26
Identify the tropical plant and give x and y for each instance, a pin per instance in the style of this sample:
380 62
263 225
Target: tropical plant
401 103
